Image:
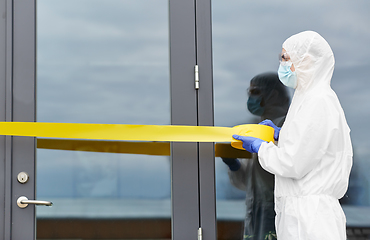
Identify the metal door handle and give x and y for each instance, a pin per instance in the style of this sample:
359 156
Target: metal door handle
23 202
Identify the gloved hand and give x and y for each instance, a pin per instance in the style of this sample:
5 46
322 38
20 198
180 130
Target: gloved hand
251 144
268 122
233 163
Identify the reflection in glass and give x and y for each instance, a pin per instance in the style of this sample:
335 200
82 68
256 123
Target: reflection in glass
102 62
257 35
269 99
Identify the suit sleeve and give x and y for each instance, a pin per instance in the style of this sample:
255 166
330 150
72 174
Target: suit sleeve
302 143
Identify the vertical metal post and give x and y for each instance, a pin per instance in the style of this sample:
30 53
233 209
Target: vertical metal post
6 60
185 205
2 115
207 188
23 109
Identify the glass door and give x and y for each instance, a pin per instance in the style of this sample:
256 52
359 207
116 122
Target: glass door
106 62
103 62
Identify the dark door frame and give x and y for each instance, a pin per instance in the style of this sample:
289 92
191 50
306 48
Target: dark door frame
18 73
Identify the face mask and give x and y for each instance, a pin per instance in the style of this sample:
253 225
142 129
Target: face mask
254 106
286 76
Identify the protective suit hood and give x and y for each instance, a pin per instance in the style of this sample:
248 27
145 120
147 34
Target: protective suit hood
313 59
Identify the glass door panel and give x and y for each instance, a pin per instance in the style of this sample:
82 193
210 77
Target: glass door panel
247 37
104 62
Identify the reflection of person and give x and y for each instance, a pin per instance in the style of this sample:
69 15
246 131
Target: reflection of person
313 158
268 98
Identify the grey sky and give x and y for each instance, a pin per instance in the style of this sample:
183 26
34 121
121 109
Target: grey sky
107 61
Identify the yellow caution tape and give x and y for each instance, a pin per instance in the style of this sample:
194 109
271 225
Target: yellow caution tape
125 132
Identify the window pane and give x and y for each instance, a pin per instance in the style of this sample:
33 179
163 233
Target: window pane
105 62
247 37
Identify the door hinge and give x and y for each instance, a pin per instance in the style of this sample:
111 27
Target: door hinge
199 233
196 71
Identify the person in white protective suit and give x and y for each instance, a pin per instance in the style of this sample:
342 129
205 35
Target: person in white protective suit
313 157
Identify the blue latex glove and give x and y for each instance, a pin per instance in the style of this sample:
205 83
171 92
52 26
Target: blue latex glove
233 163
268 122
251 144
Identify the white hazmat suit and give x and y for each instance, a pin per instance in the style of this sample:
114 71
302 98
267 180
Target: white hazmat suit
313 158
